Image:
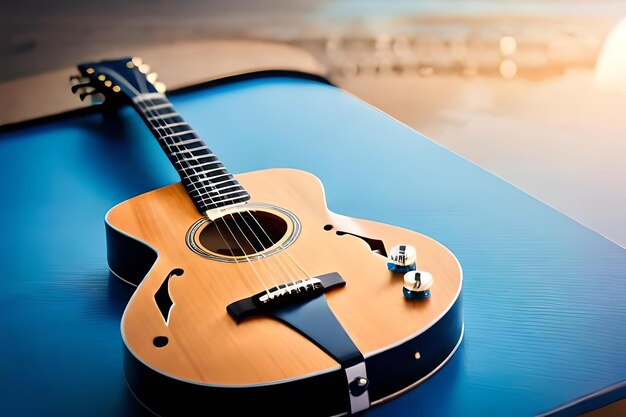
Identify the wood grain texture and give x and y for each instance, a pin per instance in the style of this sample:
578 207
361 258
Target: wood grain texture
205 343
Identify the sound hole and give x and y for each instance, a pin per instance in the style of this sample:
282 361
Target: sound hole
243 233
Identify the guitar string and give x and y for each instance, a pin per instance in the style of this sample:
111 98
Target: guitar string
145 107
264 256
141 104
281 247
167 128
200 196
259 240
251 229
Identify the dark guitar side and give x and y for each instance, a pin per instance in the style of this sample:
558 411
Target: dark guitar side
260 363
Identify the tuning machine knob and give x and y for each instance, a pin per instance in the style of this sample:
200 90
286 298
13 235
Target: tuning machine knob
88 93
417 285
402 258
81 87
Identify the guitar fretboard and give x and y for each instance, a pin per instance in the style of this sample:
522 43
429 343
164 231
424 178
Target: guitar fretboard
208 182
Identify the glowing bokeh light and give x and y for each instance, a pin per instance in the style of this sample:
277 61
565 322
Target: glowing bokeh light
508 68
508 45
611 64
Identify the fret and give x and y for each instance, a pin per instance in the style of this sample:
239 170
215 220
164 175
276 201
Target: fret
170 121
171 128
173 125
186 142
203 192
152 102
213 177
161 130
159 110
212 185
223 182
241 190
159 106
227 201
164 116
223 202
163 111
184 132
207 189
176 146
225 188
190 150
203 172
201 165
141 98
195 158
244 197
178 134
228 193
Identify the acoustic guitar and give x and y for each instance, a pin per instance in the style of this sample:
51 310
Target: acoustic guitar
251 295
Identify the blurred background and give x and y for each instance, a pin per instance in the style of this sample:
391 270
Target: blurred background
533 91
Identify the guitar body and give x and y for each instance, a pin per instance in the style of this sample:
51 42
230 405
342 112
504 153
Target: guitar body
251 295
185 354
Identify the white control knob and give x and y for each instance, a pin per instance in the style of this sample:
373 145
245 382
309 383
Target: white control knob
402 258
417 284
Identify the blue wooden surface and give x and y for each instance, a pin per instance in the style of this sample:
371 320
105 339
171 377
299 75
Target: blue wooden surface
544 299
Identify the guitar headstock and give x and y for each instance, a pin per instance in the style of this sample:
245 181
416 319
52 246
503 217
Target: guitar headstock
118 80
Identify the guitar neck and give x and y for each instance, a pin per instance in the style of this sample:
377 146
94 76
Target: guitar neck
207 181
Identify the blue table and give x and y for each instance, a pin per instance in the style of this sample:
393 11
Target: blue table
544 298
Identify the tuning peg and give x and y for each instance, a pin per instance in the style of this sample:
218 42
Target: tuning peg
77 87
160 87
144 68
152 77
76 77
84 95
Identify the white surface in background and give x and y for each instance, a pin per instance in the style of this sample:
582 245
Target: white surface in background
562 140
611 67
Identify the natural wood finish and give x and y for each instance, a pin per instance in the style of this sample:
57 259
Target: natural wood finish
179 65
205 343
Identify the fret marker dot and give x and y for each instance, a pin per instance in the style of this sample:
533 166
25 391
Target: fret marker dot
116 88
108 83
101 77
90 71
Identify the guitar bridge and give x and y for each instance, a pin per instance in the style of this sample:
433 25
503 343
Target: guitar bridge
293 293
294 289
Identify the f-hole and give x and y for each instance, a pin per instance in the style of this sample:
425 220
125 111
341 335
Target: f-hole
376 245
162 297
